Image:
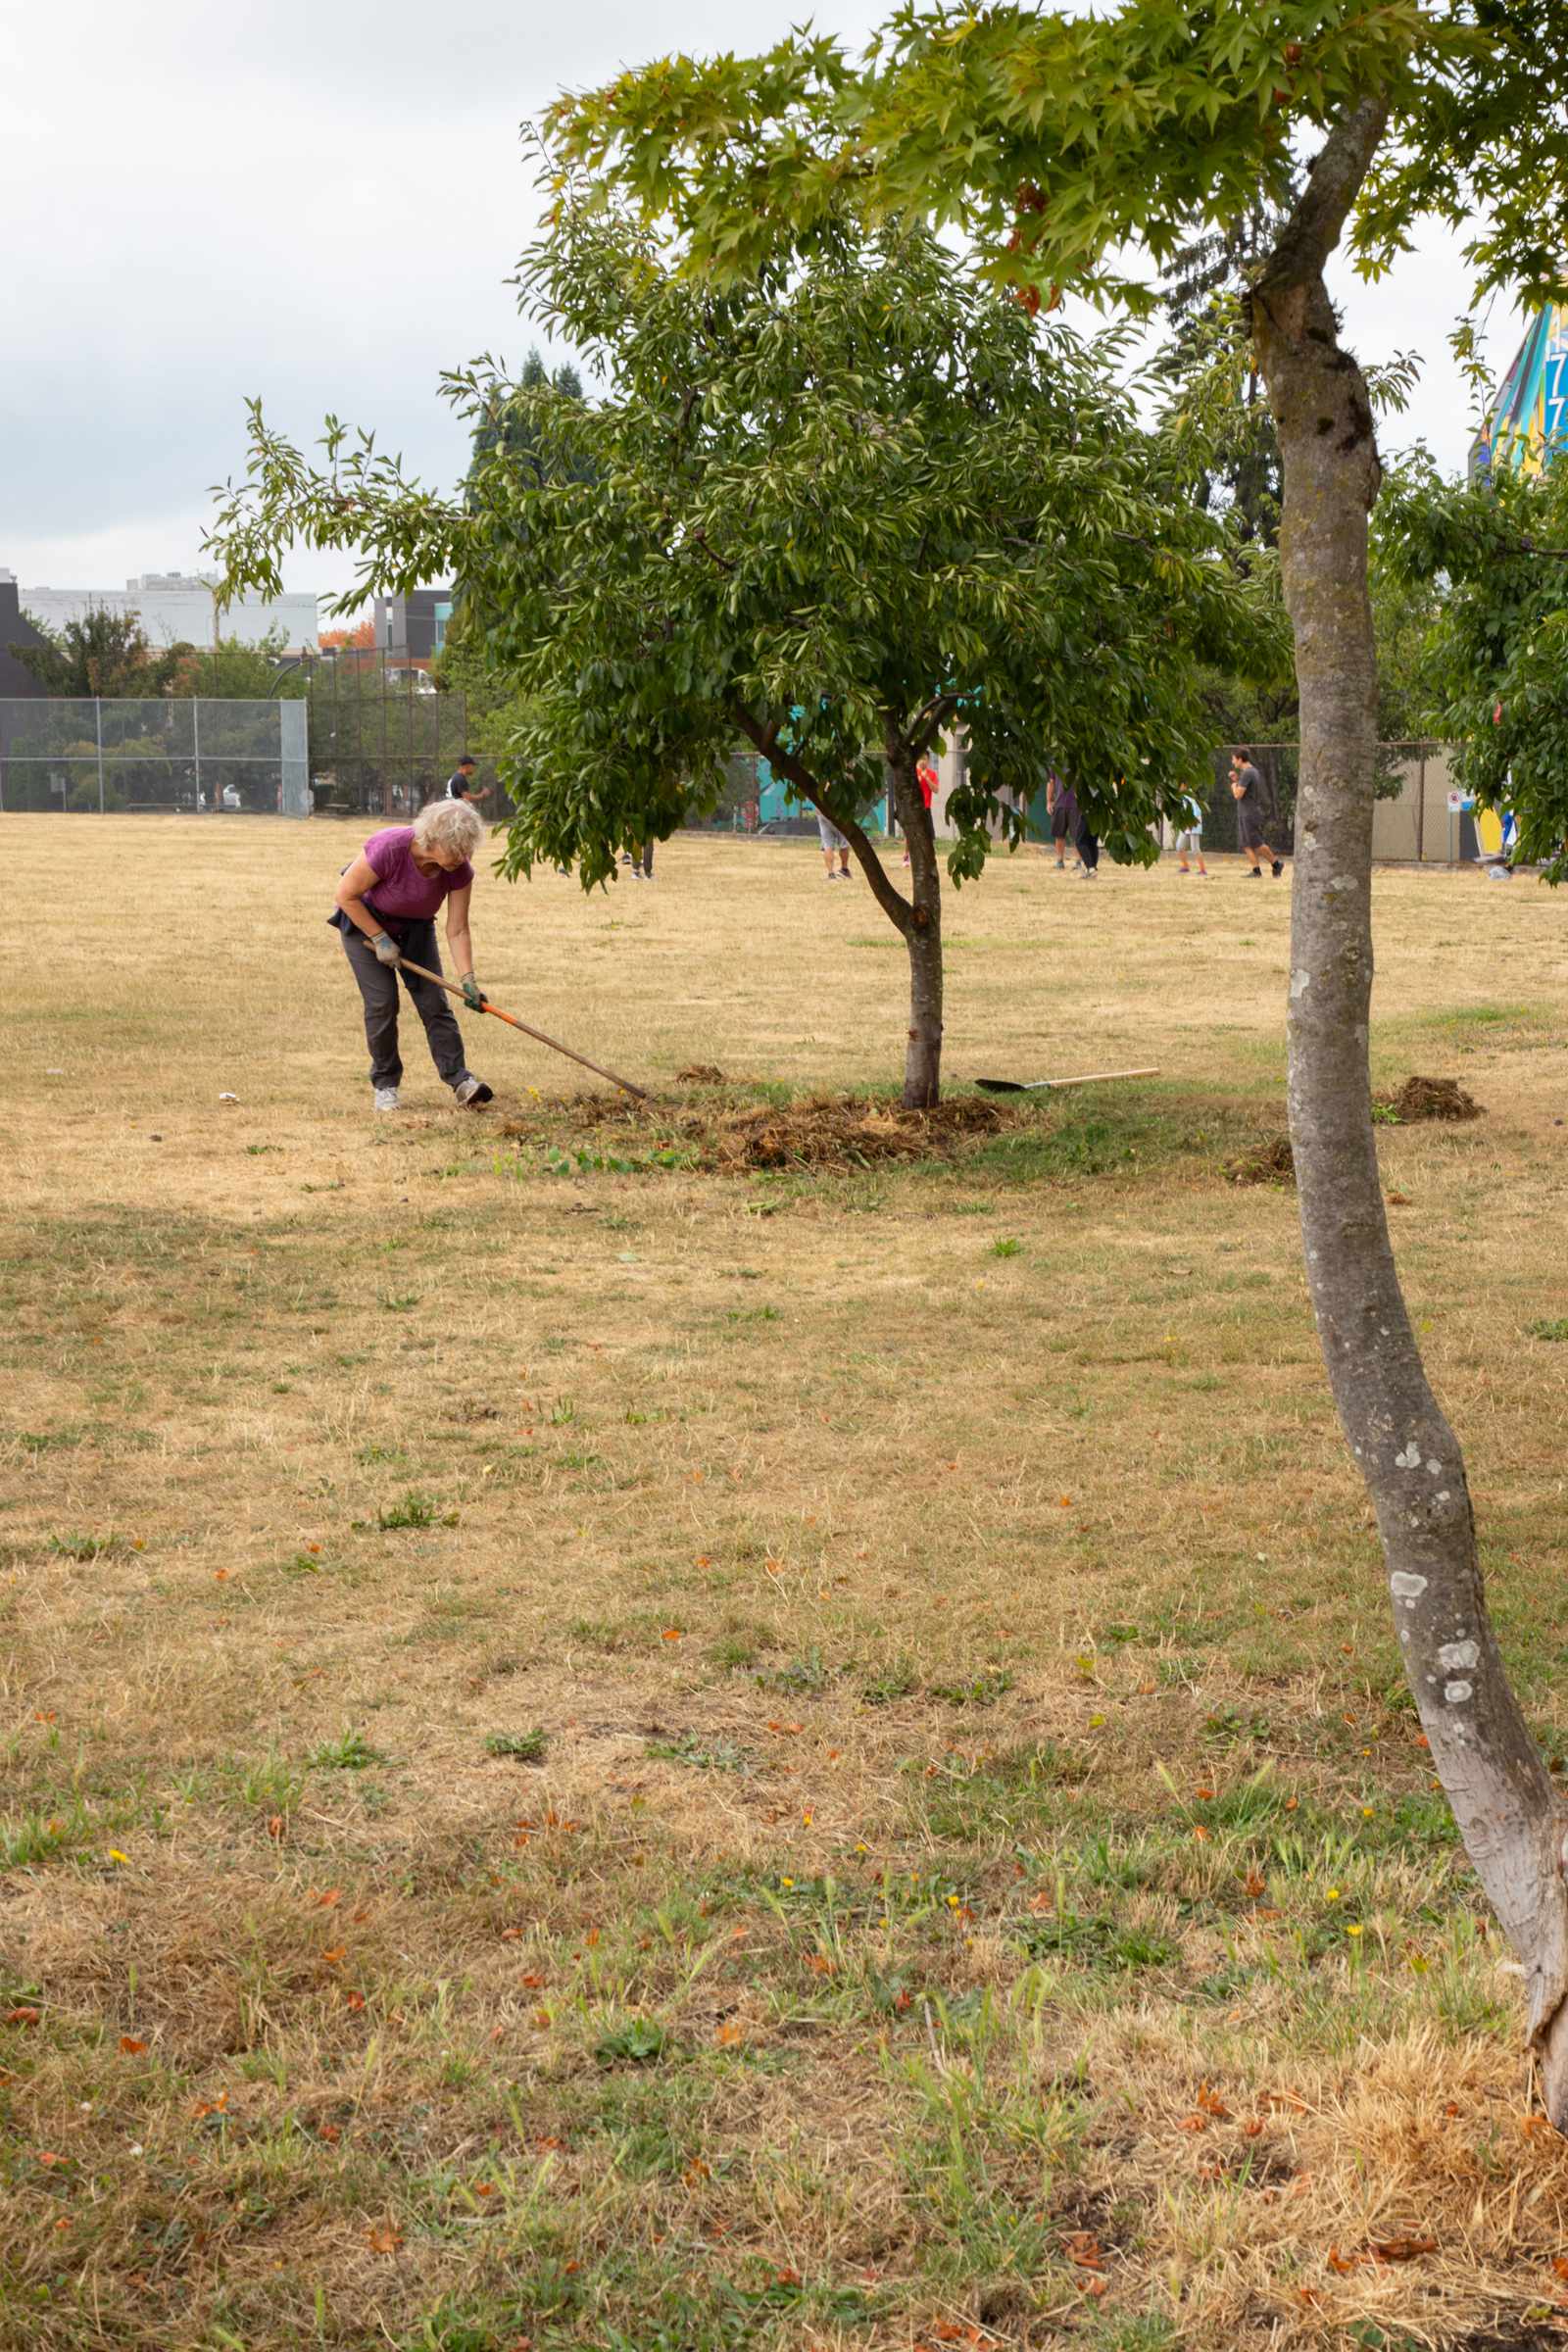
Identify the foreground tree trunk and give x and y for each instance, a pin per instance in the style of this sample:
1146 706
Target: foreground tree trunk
922 1060
1497 1782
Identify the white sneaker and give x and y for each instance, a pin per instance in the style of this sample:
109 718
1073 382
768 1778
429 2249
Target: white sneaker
386 1098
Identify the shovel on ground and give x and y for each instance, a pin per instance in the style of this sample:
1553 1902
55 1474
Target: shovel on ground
639 1093
1039 1086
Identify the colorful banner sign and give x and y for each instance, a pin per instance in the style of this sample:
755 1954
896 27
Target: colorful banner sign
1528 425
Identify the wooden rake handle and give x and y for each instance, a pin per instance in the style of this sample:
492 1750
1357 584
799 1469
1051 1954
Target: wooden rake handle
640 1093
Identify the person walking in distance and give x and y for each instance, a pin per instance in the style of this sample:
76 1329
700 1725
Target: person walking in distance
1062 808
833 842
1190 838
1246 790
1087 843
925 775
461 785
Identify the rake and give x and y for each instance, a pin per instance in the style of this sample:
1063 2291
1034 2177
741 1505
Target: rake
639 1093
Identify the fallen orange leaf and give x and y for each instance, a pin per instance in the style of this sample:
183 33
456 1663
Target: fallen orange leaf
383 2240
728 2034
1403 2249
130 2045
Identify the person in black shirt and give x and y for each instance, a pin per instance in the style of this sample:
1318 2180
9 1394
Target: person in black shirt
461 785
1246 790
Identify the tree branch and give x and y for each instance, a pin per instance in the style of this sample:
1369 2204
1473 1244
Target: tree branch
699 538
1332 183
766 740
929 723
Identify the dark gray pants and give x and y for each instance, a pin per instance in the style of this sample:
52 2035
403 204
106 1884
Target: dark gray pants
379 986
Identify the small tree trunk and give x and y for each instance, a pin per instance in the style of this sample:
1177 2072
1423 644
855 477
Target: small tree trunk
1503 1799
922 1060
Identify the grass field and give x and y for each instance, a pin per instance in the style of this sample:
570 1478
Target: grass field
599 1754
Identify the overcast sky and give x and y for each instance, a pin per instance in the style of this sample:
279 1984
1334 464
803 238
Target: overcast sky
322 205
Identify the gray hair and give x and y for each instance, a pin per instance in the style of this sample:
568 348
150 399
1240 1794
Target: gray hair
449 825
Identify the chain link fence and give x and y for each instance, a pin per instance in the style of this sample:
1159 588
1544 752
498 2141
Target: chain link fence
1412 822
385 739
369 740
151 755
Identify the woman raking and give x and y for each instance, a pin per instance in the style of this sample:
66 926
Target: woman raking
387 902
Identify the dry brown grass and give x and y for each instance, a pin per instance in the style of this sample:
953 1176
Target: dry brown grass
979 1882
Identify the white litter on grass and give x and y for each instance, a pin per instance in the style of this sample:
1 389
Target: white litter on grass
229 1098
53 1073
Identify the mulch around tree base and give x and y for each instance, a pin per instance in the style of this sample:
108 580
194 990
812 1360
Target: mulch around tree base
830 1130
1272 1161
1431 1099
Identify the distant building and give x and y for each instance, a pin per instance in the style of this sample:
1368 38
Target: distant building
412 629
175 607
14 630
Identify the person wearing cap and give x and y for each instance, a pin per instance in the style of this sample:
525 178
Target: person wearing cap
387 902
461 785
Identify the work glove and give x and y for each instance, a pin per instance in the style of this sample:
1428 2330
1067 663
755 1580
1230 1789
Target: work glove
472 993
386 948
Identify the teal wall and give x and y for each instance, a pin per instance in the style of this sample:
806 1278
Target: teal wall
779 807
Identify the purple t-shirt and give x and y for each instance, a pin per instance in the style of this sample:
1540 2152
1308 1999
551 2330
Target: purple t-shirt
400 886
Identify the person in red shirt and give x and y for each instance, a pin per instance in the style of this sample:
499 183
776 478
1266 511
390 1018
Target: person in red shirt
925 775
